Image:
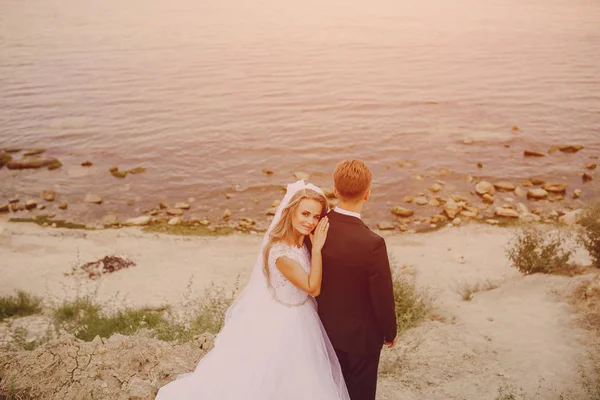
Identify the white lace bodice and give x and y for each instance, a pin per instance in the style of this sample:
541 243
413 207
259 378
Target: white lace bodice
284 291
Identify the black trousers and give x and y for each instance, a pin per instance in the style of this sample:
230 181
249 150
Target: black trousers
360 373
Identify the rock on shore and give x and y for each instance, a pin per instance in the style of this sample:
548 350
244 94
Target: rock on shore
402 212
5 158
139 221
34 163
537 194
91 198
570 148
49 195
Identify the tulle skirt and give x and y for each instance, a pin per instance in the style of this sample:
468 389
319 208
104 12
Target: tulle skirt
270 353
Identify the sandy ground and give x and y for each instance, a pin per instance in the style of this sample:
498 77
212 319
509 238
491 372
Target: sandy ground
517 334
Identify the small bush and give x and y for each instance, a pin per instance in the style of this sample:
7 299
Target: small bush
589 235
20 305
534 250
412 305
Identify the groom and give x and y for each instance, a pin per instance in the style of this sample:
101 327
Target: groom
356 304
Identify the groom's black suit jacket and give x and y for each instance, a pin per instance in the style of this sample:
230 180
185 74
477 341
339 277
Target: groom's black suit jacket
356 304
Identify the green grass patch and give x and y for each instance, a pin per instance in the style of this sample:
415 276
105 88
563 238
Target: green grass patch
19 305
83 317
47 219
187 229
504 222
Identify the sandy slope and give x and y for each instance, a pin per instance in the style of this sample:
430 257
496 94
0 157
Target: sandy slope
519 333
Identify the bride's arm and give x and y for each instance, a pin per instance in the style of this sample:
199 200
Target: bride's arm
293 271
310 283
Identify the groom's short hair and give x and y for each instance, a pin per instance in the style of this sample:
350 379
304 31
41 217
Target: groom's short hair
352 179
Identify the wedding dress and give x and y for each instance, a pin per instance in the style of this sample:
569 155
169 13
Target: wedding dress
272 346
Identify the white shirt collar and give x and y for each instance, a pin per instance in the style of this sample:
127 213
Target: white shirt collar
346 212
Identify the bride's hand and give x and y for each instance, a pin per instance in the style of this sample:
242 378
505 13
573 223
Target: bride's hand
320 234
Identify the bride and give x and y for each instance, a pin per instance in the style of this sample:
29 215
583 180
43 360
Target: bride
273 345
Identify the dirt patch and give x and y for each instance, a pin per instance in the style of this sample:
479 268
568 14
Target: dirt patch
120 368
518 334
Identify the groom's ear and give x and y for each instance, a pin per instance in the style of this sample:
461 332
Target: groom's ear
367 194
335 193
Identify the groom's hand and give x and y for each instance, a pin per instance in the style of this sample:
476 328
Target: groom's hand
391 344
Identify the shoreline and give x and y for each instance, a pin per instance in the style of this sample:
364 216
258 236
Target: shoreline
405 217
421 200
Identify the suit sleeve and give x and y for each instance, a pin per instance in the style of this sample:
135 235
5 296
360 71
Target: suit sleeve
308 243
381 290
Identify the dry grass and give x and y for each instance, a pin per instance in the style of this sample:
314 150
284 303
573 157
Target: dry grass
589 235
413 305
586 297
13 393
590 381
467 290
206 314
588 388
398 360
511 392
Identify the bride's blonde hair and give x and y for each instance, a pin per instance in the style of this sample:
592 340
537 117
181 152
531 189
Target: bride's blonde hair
283 231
